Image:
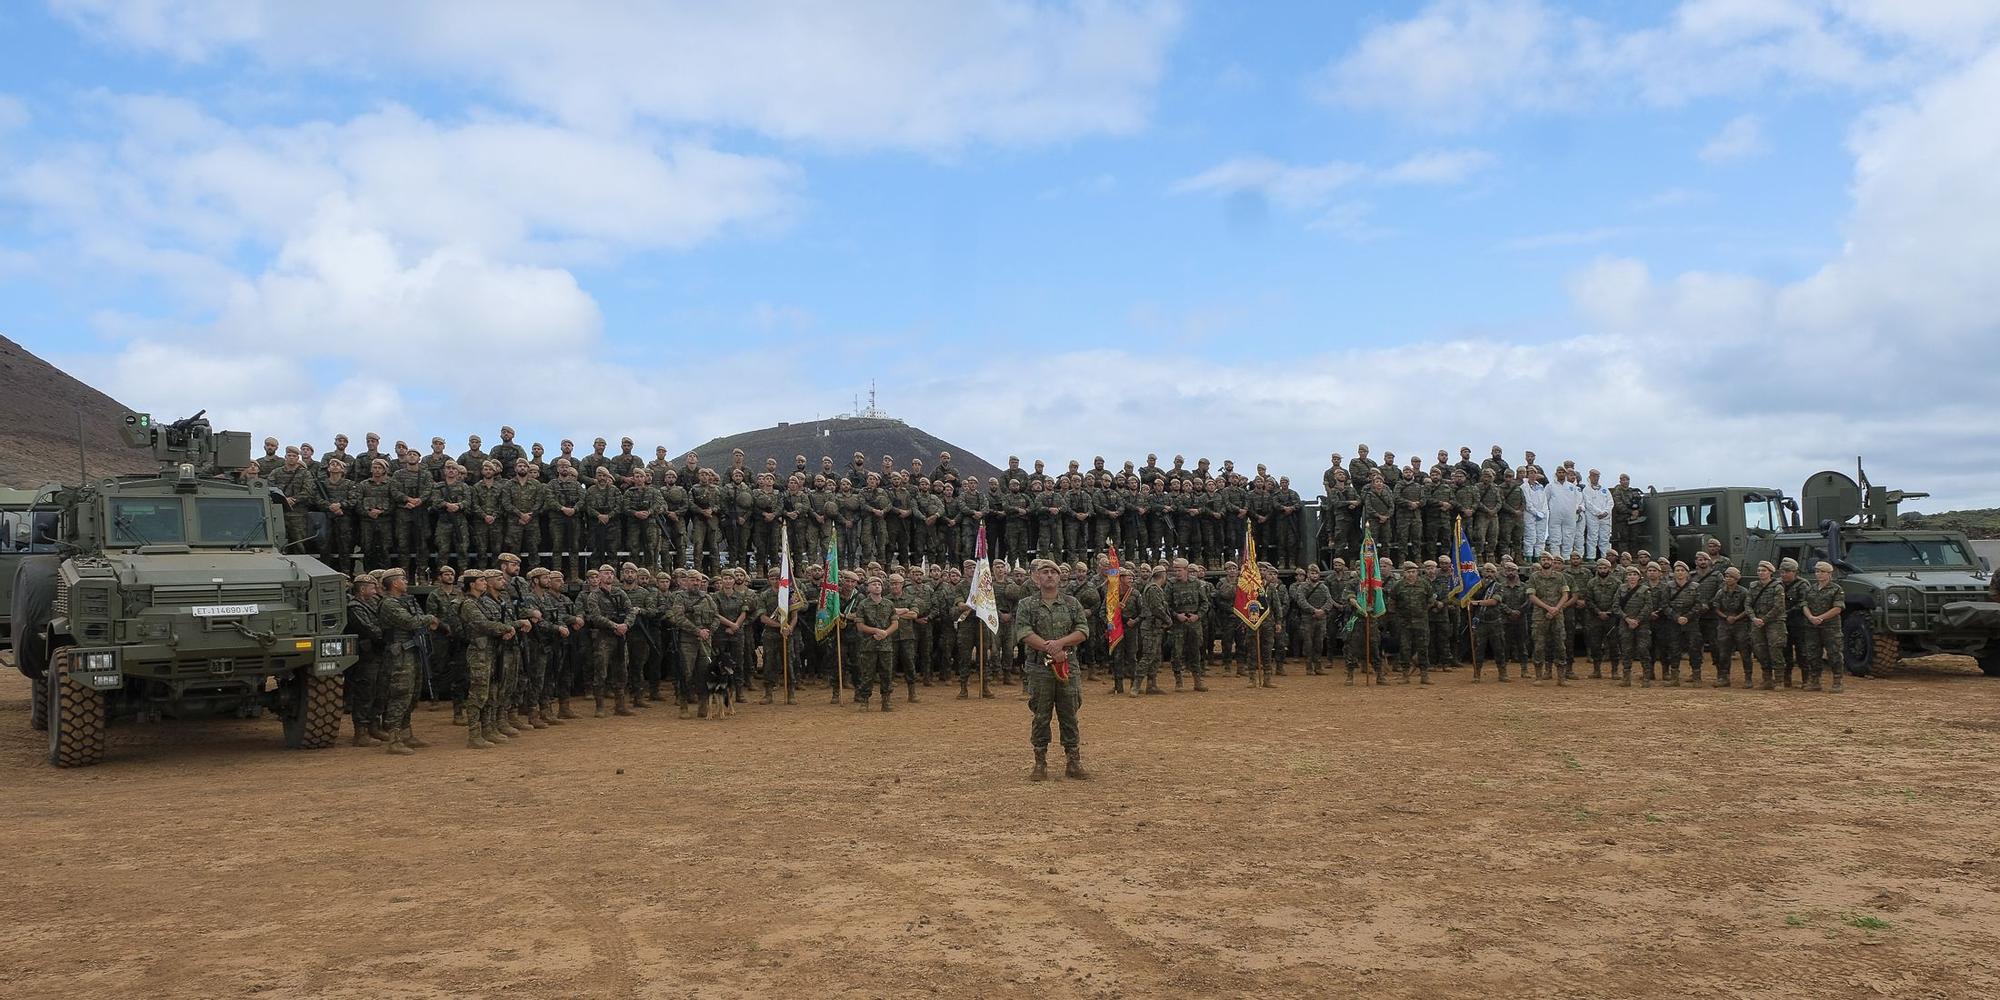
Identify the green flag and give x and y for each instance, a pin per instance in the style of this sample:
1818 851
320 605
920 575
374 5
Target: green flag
829 596
1368 593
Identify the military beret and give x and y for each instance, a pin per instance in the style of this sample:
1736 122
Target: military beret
1042 564
1766 564
1180 563
509 557
383 575
1407 564
538 572
1790 564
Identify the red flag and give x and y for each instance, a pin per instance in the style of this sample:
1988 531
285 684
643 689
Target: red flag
1249 607
1114 602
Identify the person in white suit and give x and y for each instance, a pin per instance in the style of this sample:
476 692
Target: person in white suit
1565 510
1596 519
1536 489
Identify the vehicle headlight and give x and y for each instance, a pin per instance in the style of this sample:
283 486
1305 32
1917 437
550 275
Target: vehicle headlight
1895 599
332 648
101 661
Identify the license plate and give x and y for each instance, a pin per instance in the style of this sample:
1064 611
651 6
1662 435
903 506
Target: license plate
225 610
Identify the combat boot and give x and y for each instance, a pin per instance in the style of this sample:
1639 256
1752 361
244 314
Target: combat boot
1041 771
1074 768
639 699
549 714
1381 675
491 729
862 702
1350 676
889 695
618 705
1597 671
598 712
1562 677
398 748
1132 689
1836 684
563 709
1625 678
964 688
475 738
507 727
985 692
1153 686
410 739
1423 675
1178 680
1501 676
1770 680
362 739
1253 678
1267 680
458 715
766 700
379 734
1117 685
1199 684
1819 683
534 718
913 690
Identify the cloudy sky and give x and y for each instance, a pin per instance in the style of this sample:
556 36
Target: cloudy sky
1703 242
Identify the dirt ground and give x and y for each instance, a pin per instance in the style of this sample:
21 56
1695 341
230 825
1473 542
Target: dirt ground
1315 840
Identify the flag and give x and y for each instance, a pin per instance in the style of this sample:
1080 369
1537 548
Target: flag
1465 579
980 597
1249 584
829 597
1369 592
1114 601
784 572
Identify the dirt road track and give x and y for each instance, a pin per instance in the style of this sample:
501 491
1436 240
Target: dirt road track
1317 840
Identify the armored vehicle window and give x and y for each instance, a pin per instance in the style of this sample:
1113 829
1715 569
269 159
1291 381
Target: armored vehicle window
230 521
1690 515
1761 515
1893 553
146 521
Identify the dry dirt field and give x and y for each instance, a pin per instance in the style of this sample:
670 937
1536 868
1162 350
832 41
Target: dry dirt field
1316 840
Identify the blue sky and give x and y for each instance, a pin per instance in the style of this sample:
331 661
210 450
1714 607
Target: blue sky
1262 231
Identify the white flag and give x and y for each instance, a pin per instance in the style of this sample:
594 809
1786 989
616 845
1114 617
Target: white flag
784 570
980 597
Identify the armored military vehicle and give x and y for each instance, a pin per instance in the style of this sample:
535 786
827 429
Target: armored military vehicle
1910 591
24 531
176 595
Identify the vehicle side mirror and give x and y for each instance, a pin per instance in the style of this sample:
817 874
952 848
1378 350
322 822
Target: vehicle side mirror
1986 564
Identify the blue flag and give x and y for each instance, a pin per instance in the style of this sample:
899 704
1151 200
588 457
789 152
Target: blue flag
1465 579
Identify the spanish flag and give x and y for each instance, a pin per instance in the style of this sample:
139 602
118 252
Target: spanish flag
1249 584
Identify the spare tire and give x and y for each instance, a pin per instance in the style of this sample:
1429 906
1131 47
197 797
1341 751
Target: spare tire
32 607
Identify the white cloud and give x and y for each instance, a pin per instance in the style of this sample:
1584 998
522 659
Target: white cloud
1742 138
1444 166
1464 63
1288 186
876 72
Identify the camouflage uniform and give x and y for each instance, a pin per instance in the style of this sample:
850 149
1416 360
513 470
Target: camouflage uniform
604 609
411 483
873 658
480 624
1732 636
1767 602
1409 613
378 521
1052 619
1632 616
451 538
1821 646
1551 587
487 535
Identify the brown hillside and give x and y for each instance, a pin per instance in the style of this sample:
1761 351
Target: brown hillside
840 438
39 404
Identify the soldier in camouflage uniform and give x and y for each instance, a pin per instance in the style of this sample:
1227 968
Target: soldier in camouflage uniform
377 497
1600 617
1732 610
1548 597
1409 613
523 499
1767 622
485 523
300 485
404 626
452 538
779 627
1489 626
607 612
875 624
1312 608
364 679
1795 623
1189 607
339 500
483 628
1821 643
413 489
639 502
1633 624
694 620
1053 624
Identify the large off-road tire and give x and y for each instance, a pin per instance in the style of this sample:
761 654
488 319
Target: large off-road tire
1887 654
1989 662
1857 643
38 706
33 603
312 719
76 716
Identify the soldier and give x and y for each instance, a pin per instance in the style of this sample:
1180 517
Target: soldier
586 470
1312 606
1794 587
506 452
1767 622
607 612
522 502
412 495
565 509
1732 611
1601 594
1548 596
1634 624
625 463
694 618
1189 608
876 624
1820 645
377 498
1706 581
404 628
1409 612
1678 632
731 645
1053 624
363 680
483 627
903 647
1489 623
1489 502
472 457
549 680
778 629
486 516
602 505
1624 531
452 538
339 501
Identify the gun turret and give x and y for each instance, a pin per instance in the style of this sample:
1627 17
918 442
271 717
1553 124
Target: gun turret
188 441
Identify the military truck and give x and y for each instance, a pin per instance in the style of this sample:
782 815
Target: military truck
176 595
24 531
1910 591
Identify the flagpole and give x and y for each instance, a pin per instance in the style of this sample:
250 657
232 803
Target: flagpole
837 665
785 651
982 659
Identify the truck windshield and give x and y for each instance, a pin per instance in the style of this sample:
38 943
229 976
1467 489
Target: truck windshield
231 521
1761 515
146 521
1896 553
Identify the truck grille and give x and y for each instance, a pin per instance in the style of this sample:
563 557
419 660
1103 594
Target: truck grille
187 597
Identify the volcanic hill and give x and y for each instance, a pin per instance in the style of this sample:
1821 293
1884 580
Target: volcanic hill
839 438
39 404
